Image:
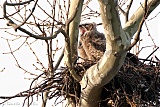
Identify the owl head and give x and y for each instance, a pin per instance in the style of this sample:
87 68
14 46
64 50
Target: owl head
87 27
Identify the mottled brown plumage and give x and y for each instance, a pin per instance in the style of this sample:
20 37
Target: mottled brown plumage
92 43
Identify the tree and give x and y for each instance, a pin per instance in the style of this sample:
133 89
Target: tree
93 80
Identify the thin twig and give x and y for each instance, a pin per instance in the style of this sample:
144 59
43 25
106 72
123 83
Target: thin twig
151 54
28 16
14 25
137 37
128 9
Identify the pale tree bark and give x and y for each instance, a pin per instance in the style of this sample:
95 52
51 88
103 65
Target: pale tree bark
131 26
72 29
118 40
116 47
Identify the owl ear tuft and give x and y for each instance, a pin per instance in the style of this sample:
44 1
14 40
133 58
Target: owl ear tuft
92 26
87 27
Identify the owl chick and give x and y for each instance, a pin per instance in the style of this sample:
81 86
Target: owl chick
92 44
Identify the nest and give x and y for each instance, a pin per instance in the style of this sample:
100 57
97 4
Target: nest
136 84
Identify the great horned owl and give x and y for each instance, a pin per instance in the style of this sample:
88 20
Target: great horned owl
92 44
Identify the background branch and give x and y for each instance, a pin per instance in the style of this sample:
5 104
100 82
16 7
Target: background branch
131 26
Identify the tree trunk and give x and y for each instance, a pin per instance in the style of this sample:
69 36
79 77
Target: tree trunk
116 48
117 42
75 11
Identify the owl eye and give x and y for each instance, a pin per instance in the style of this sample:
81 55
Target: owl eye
80 43
87 26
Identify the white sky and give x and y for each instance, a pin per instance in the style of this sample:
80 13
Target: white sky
12 78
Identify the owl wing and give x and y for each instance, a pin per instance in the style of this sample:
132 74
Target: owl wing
94 44
81 52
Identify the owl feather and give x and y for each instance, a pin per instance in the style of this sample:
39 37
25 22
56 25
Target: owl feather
92 43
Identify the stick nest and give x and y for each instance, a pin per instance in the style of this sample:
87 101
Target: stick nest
136 84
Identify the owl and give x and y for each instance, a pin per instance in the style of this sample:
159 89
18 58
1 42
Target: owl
92 44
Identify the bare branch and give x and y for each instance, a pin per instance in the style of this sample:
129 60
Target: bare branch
15 26
128 9
17 48
38 60
137 37
131 26
74 17
59 60
20 3
28 16
126 13
150 54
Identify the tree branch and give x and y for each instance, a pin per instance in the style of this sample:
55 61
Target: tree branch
137 37
128 9
116 48
131 26
15 26
72 30
126 13
28 16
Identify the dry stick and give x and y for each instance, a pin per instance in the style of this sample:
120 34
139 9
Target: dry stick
21 94
14 25
150 54
149 34
32 84
17 48
86 4
123 12
128 9
50 53
27 93
59 60
50 61
38 60
126 14
38 25
49 57
58 22
45 97
12 4
28 16
13 54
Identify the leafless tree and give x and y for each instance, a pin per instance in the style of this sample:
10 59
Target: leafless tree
47 20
